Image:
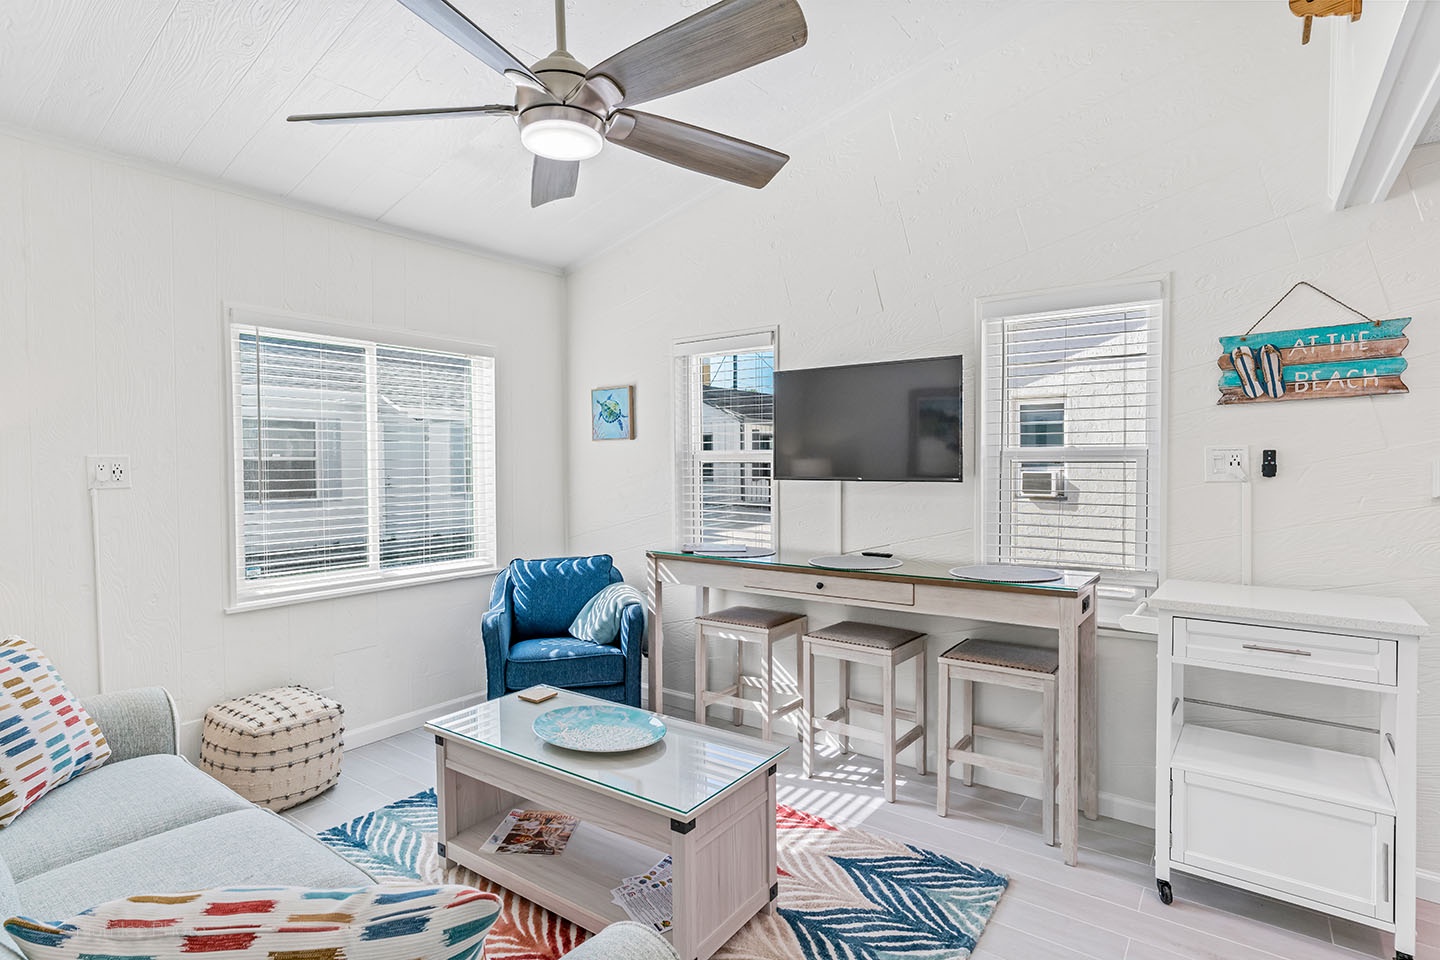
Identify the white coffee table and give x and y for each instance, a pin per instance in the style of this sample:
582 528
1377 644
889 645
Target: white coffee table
704 796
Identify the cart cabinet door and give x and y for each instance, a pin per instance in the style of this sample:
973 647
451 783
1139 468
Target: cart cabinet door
1331 854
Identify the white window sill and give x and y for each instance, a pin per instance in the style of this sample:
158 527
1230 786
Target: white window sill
284 596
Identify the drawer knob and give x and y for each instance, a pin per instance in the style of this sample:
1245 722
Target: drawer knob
819 585
1294 652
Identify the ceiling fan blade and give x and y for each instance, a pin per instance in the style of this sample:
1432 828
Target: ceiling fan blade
373 116
695 148
553 180
716 42
474 41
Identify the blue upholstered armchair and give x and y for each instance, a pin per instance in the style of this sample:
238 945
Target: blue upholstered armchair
526 631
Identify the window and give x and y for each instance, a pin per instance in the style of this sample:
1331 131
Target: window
360 464
726 411
1079 386
1042 423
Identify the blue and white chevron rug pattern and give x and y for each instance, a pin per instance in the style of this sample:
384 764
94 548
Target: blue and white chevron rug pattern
844 894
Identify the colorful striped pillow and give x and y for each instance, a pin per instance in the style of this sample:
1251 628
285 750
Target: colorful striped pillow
46 737
391 922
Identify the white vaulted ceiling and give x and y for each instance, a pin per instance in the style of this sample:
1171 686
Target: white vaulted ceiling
205 85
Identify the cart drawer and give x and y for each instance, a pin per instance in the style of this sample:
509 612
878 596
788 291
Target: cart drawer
1345 657
1327 853
837 588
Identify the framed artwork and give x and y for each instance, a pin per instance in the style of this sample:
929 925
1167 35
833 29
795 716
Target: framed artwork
612 414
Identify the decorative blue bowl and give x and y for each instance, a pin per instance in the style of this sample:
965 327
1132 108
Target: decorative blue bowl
606 729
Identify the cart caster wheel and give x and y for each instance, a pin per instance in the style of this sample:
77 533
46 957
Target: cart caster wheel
1403 956
1167 896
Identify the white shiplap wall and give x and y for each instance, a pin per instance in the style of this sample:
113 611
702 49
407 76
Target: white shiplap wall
112 279
1096 141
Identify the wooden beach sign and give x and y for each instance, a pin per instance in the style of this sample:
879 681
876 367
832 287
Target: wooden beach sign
1345 360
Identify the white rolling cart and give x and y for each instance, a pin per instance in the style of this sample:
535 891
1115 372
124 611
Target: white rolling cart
1328 830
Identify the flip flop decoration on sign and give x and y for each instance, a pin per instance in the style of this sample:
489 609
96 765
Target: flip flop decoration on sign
1312 363
1264 378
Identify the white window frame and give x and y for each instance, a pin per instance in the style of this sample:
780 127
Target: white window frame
1115 585
745 341
242 597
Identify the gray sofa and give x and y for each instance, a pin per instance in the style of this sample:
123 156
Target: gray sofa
148 821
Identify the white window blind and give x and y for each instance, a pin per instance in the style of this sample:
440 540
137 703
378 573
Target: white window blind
725 440
1070 439
357 463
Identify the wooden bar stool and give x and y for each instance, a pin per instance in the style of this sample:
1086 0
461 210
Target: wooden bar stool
752 625
1008 665
866 644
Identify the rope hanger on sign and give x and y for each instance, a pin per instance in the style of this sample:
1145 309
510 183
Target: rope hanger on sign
1306 283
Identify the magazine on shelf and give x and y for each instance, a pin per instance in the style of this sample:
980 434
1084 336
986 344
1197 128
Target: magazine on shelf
543 832
648 897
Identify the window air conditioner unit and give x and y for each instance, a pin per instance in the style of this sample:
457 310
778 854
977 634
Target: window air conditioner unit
1042 485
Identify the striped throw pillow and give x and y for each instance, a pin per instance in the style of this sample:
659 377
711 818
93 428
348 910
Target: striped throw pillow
599 620
391 922
46 737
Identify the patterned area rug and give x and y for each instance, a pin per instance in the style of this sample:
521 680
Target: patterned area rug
844 894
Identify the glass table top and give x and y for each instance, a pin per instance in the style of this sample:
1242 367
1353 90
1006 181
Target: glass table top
912 570
691 766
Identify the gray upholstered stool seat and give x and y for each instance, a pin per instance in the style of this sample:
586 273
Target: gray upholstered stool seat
756 617
998 653
867 644
1004 664
874 635
754 625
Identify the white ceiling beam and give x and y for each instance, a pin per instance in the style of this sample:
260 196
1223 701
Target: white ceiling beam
1384 86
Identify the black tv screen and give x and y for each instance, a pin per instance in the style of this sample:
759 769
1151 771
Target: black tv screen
873 421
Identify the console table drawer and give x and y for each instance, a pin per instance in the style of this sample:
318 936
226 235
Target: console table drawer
1344 657
825 587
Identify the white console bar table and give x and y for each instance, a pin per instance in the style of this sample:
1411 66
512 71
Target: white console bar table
1329 830
1066 606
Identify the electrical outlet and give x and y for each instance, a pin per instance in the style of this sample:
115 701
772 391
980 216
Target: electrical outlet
108 472
1227 464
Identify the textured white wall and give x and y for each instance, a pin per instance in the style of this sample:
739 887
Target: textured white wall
112 278
1092 142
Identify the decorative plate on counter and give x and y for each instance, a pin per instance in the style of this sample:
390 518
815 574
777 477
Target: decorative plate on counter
599 729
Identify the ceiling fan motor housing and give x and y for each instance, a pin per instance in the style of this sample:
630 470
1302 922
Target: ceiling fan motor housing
551 127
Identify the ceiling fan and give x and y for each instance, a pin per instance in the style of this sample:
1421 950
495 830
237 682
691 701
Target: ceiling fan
567 113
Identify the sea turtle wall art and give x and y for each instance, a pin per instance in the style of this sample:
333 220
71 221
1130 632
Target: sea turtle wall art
612 414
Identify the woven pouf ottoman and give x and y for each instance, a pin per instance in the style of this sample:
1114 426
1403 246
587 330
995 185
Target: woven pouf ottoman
277 748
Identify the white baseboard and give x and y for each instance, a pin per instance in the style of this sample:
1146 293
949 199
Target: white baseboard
673 698
372 732
1427 885
1115 806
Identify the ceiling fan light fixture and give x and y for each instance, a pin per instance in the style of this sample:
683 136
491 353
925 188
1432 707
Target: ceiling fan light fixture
562 133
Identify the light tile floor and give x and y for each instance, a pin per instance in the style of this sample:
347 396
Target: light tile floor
1104 909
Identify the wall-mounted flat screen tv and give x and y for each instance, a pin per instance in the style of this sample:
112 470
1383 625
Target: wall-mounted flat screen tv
873 421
